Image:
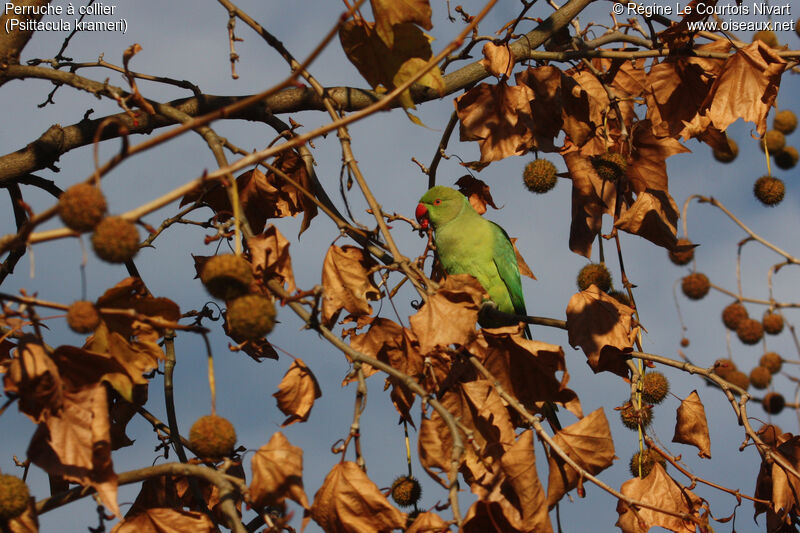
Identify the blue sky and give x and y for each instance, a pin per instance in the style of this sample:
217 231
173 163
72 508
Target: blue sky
192 44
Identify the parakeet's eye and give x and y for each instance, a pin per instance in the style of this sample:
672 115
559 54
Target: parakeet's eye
438 201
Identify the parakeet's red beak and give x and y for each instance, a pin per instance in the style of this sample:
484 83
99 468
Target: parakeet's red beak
422 216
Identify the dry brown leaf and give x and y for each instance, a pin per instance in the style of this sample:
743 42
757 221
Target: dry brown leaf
588 442
746 87
477 192
779 486
547 105
648 167
427 522
34 377
662 491
587 206
277 473
653 216
296 393
76 443
524 269
585 103
349 502
691 426
497 59
270 253
390 67
601 326
450 314
388 13
435 446
164 520
498 117
347 283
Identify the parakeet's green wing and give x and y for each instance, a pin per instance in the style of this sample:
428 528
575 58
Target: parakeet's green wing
505 259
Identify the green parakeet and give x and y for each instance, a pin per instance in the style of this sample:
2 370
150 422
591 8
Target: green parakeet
467 243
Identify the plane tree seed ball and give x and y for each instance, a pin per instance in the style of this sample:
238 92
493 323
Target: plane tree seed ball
750 331
655 387
726 156
681 257
645 461
733 315
621 297
738 378
772 362
14 496
594 274
251 316
632 417
227 276
81 207
773 403
610 165
539 176
724 367
786 158
406 491
774 140
767 37
769 190
82 317
772 322
760 377
115 240
212 437
695 286
785 121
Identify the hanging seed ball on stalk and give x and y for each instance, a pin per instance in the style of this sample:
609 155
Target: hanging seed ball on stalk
786 158
695 286
769 190
740 379
115 240
785 121
760 377
769 433
406 491
772 362
685 342
621 297
212 437
648 460
733 315
81 207
539 176
82 317
750 331
610 165
681 257
14 496
767 37
594 274
724 367
773 403
772 322
655 387
774 140
727 156
250 316
632 417
227 276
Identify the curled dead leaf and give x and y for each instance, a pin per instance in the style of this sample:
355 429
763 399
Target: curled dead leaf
34 377
296 393
347 283
388 13
497 59
159 520
691 426
270 257
277 473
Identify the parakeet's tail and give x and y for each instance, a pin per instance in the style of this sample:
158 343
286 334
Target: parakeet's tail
549 411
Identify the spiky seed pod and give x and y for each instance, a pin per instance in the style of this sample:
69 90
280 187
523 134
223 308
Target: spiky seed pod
786 158
733 315
621 297
610 165
539 176
683 257
406 491
115 240
695 286
739 379
14 496
654 387
773 403
648 460
750 331
594 274
727 156
82 317
772 322
250 316
632 417
769 190
724 367
785 121
769 433
227 276
685 342
774 140
212 437
760 377
767 37
81 207
772 362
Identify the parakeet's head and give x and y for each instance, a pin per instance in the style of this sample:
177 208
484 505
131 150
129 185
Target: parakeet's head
440 205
